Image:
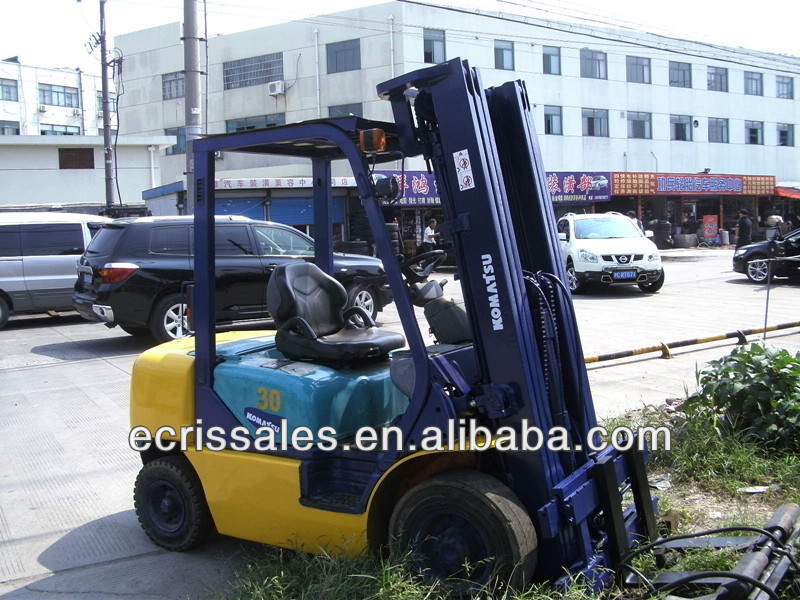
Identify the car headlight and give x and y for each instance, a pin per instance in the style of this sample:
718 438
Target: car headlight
586 256
739 252
653 257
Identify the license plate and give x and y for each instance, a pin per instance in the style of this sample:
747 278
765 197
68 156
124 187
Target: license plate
87 278
625 274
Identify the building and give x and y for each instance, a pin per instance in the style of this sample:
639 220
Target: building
669 127
51 143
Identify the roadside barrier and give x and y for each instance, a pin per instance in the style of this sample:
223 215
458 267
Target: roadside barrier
665 348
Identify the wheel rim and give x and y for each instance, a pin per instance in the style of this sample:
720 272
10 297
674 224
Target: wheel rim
448 544
572 279
175 321
758 270
365 300
166 506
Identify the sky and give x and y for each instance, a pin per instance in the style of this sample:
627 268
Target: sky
58 33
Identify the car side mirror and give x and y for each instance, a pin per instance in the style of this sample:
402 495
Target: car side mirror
562 236
648 234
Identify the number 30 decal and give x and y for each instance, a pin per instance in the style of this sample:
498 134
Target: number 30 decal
269 399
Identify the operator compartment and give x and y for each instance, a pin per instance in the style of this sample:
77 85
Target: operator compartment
262 388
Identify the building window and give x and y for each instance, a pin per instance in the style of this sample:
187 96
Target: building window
58 95
753 83
504 55
638 69
256 70
75 158
551 55
784 87
785 134
718 130
345 110
754 132
552 120
8 90
344 56
172 85
180 146
45 129
595 122
680 128
261 122
639 125
680 74
9 128
112 99
717 79
593 64
433 46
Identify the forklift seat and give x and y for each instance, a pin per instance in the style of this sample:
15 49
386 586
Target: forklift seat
308 308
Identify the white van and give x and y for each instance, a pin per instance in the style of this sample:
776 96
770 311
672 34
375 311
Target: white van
39 253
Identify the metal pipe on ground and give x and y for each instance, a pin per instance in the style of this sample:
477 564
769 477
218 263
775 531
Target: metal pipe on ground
664 348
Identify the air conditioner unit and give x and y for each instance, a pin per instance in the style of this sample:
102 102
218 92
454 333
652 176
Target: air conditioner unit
42 108
100 114
275 88
77 112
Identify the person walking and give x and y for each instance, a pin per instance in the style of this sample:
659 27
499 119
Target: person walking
744 228
632 216
429 237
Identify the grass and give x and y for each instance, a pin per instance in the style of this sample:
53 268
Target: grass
699 459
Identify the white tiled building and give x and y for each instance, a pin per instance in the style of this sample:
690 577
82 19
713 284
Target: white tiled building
604 99
51 142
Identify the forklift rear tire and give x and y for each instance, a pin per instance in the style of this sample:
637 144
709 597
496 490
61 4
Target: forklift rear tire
170 504
465 518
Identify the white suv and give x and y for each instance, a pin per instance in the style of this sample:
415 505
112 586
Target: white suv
608 248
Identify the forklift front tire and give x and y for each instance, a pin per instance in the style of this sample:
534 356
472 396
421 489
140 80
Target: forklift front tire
170 504
464 528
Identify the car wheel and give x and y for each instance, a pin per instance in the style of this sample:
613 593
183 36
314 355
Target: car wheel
135 331
170 504
169 320
4 312
464 529
757 269
575 285
364 297
651 287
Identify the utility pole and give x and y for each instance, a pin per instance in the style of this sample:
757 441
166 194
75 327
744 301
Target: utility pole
108 151
191 78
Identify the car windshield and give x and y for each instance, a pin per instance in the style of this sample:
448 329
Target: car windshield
589 229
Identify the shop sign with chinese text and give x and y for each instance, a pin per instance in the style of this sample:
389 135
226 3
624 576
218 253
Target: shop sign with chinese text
419 187
568 187
701 184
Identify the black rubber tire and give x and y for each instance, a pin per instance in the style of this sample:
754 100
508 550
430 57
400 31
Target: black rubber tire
462 518
575 286
363 296
135 331
5 311
654 286
163 314
392 227
757 269
170 504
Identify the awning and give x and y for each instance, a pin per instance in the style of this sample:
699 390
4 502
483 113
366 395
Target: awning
787 192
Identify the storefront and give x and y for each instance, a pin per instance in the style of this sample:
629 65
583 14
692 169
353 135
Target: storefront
700 204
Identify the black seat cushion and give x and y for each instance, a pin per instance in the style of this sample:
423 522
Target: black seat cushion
308 306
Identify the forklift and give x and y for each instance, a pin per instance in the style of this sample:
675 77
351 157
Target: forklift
507 361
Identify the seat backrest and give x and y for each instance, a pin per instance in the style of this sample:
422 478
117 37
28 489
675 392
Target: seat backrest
304 290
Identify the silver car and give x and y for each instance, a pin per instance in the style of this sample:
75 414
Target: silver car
39 252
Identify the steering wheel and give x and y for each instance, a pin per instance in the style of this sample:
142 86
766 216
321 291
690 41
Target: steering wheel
414 276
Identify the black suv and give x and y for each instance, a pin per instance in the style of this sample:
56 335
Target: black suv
132 272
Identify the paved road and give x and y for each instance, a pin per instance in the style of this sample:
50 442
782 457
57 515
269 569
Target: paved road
67 525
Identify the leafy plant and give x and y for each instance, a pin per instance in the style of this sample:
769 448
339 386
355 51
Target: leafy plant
755 390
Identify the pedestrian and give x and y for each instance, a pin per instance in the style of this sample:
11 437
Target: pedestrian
744 228
635 219
429 237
